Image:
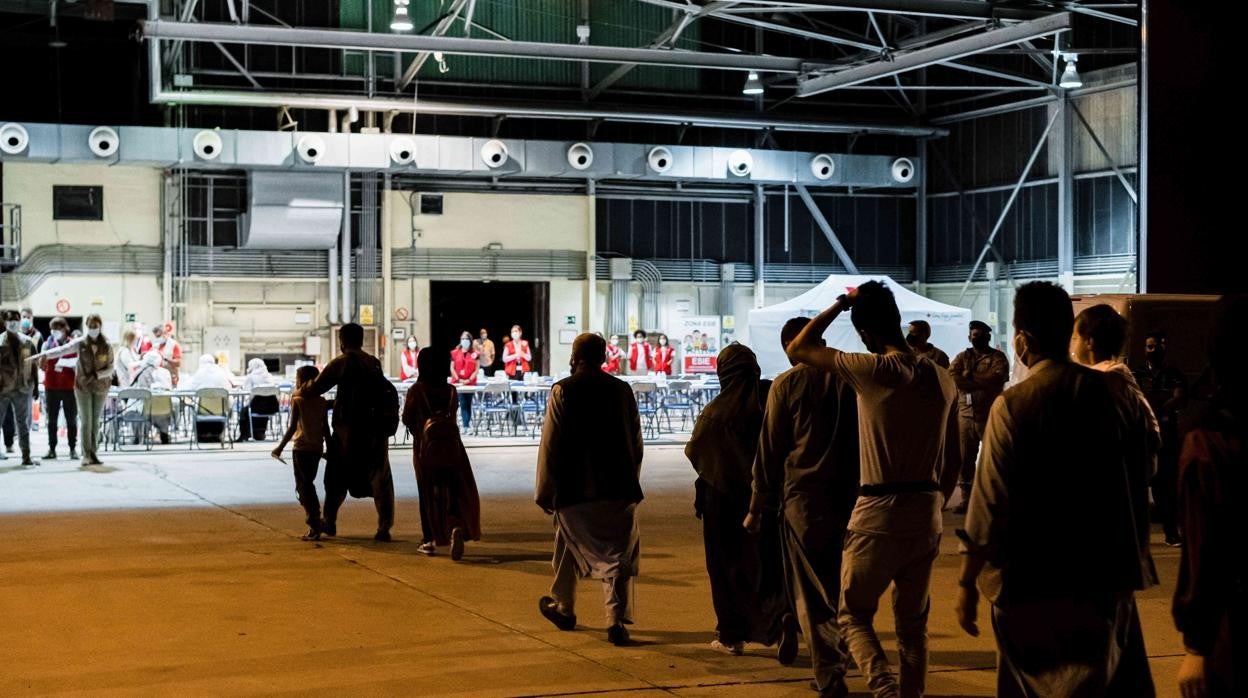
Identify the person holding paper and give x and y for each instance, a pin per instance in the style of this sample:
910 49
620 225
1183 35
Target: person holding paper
19 378
94 376
58 389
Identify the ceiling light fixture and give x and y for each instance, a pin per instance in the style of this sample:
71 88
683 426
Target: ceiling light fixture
401 22
1070 76
753 86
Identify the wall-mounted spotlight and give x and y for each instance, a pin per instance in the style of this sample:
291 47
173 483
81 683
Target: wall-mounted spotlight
103 141
822 166
660 159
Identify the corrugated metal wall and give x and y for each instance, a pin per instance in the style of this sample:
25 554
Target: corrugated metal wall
877 231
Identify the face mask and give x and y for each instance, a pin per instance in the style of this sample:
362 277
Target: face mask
58 335
615 342
159 341
639 340
93 332
663 341
11 325
464 344
515 335
27 323
411 345
483 336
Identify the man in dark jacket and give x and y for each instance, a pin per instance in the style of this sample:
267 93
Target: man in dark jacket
360 461
587 476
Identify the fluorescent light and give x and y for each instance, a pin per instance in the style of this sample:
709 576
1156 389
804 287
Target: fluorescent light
1070 76
753 86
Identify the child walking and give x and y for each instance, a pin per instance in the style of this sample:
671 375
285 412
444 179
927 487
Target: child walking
309 427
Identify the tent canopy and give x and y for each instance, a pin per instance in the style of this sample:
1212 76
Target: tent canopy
949 322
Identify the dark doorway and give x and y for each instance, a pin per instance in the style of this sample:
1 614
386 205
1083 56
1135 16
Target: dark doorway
456 306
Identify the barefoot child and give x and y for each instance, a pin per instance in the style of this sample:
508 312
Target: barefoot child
309 426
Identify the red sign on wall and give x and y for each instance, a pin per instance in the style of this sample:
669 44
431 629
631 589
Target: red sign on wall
62 306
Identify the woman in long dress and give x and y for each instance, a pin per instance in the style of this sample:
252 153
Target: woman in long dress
450 508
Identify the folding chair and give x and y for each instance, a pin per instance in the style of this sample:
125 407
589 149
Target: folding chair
678 399
496 407
134 405
275 419
212 407
647 408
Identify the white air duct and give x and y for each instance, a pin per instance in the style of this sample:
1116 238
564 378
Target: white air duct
103 141
207 145
740 162
903 170
311 148
660 159
822 166
580 156
403 151
494 154
13 138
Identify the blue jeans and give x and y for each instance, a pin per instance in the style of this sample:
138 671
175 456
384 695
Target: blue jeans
465 409
19 401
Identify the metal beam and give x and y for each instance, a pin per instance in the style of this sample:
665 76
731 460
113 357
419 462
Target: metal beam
784 28
1135 198
239 66
1009 203
760 246
823 224
1028 104
1065 192
941 53
444 25
952 9
530 111
1003 74
920 217
366 41
663 40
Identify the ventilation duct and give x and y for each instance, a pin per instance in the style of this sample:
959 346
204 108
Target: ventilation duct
293 210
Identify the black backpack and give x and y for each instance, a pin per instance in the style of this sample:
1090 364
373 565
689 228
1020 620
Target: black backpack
384 404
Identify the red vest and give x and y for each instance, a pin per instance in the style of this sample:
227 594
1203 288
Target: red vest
516 351
636 351
663 358
614 356
464 365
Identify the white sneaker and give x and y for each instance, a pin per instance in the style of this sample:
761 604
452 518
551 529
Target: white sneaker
736 649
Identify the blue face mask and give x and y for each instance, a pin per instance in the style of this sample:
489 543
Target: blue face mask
464 344
27 323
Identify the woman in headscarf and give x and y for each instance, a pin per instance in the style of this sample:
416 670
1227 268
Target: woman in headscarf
257 376
450 508
745 569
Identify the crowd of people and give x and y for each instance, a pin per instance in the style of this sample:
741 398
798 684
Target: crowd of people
819 491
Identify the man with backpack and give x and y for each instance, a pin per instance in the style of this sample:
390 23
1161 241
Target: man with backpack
365 416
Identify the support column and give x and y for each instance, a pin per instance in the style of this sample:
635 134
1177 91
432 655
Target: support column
387 277
1064 142
334 315
166 284
920 219
760 246
588 297
344 249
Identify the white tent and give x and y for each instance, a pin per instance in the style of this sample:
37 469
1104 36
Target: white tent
949 322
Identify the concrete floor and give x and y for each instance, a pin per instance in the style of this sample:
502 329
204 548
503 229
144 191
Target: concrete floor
182 573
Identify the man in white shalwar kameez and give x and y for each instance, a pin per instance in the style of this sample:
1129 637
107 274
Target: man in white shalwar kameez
587 477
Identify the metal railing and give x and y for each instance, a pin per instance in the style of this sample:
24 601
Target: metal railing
10 234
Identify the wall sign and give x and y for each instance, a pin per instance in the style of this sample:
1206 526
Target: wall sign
569 320
400 314
366 315
62 306
699 344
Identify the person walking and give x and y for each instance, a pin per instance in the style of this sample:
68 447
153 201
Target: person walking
19 379
93 378
309 427
980 373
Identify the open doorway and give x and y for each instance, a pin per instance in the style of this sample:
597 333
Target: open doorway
456 306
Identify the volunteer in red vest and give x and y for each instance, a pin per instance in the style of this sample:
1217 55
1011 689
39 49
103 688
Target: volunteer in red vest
664 356
615 356
464 372
170 351
407 369
58 389
517 356
640 356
